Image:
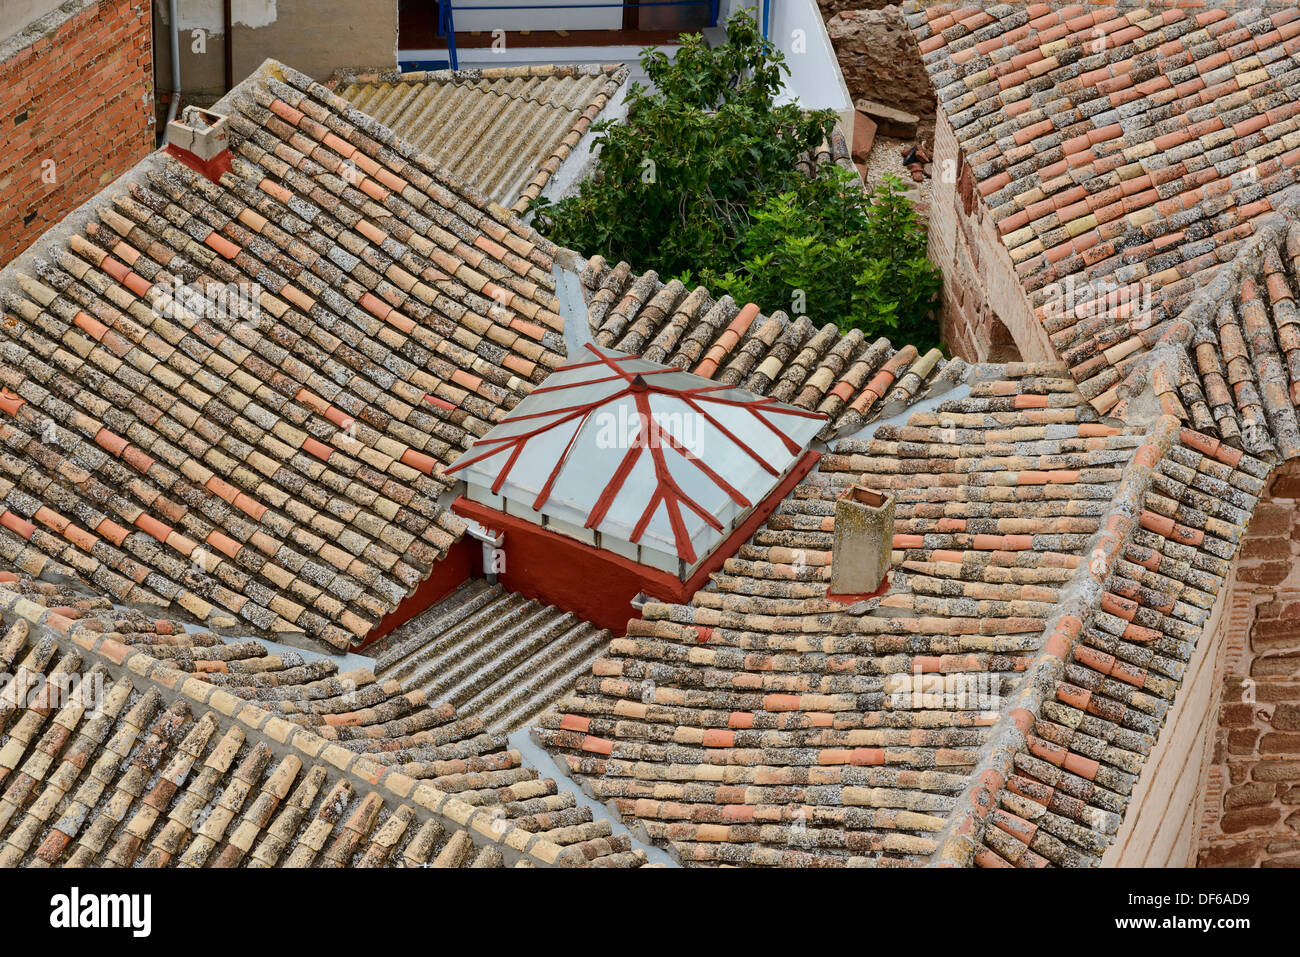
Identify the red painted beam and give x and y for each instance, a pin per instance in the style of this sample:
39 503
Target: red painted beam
448 575
598 585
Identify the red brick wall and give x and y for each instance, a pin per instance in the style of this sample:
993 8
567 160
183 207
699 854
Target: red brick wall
1252 791
79 97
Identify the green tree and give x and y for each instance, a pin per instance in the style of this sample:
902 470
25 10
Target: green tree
829 248
703 181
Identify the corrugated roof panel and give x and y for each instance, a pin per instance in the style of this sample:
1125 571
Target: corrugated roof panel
503 131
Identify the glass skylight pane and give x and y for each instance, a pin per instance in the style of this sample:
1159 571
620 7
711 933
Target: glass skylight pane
600 402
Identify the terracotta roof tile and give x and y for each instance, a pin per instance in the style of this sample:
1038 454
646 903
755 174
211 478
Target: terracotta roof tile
370 777
252 376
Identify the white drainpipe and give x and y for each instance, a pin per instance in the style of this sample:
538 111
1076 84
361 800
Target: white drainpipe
490 541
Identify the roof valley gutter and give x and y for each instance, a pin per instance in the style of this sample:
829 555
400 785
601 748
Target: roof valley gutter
959 840
538 758
573 301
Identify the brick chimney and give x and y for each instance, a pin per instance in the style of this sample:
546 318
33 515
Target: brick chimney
200 140
863 542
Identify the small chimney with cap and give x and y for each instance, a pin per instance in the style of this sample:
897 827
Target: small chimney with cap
201 140
862 544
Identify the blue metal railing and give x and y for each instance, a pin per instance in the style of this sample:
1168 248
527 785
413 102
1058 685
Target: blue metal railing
447 13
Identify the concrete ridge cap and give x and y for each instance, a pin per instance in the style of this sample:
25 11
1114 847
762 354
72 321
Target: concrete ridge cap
1080 598
1163 359
43 26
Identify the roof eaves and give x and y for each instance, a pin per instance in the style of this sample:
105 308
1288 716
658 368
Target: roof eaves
281 736
1094 601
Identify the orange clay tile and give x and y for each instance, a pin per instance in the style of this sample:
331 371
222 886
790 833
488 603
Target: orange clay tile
152 527
113 444
375 306
92 326
249 506
112 531
137 459
597 745
337 416
286 112
10 403
275 191
47 517
319 449
574 722
372 189
221 245
222 489
80 537
419 461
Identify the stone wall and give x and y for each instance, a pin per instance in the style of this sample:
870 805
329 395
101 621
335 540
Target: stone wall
984 315
1252 785
76 111
878 56
1160 823
315 37
831 7
16 14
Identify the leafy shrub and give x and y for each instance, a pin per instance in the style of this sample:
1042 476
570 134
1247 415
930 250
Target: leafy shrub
703 181
853 257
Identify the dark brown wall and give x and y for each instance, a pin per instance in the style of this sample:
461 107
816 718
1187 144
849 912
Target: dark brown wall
1252 800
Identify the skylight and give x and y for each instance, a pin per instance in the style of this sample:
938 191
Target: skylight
641 459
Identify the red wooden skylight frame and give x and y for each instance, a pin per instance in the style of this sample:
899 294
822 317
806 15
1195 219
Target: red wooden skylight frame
640 385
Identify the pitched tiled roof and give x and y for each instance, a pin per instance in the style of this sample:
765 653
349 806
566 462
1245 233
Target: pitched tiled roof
298 765
842 375
1134 145
1092 704
271 455
765 724
506 130
1240 379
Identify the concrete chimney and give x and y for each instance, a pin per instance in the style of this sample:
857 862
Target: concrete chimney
201 140
863 542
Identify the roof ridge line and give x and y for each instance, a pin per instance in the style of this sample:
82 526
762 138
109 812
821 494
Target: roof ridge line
273 69
614 73
959 839
393 784
1175 345
1271 228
